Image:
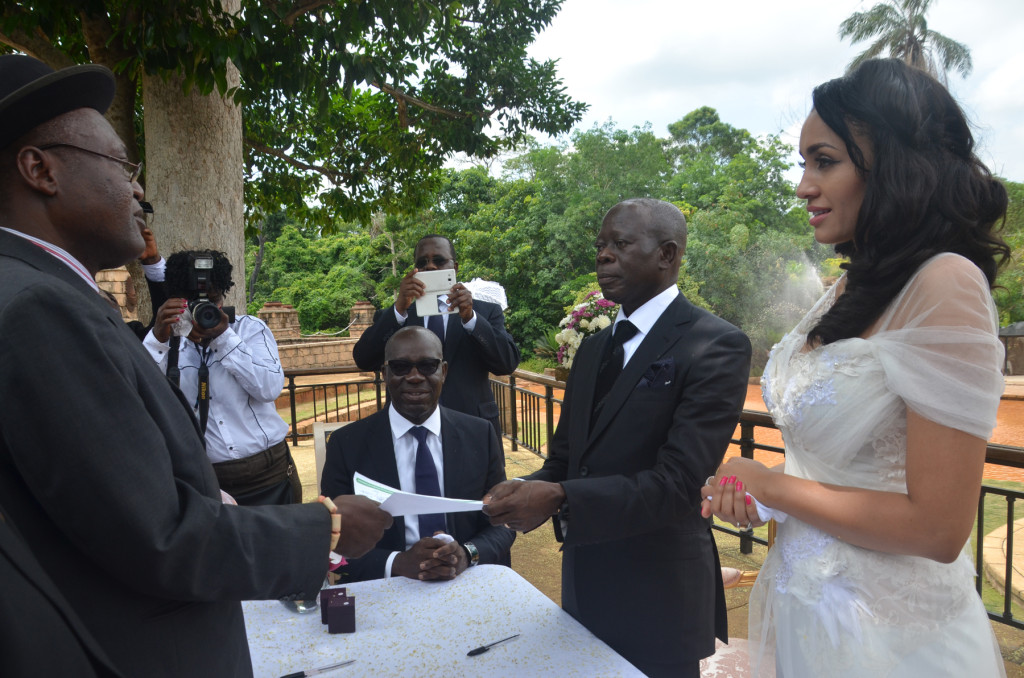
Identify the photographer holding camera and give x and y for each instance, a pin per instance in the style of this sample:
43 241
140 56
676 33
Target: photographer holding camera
229 371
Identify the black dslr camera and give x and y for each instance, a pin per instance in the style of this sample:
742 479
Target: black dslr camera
204 312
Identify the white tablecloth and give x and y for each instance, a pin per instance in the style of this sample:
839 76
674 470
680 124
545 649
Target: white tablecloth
412 628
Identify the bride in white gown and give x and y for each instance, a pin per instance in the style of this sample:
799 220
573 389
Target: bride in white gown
885 394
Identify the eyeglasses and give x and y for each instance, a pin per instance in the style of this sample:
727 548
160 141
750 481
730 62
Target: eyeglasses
437 260
132 171
400 368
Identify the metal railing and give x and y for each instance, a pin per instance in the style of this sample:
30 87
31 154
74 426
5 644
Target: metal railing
312 397
527 403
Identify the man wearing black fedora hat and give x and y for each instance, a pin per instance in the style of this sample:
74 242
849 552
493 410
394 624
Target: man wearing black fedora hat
102 467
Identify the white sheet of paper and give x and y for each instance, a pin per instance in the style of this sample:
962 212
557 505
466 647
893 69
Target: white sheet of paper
399 503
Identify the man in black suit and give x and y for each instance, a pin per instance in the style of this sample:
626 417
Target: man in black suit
462 450
102 467
475 340
647 417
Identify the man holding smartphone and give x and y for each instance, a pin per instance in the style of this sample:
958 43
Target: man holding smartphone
473 333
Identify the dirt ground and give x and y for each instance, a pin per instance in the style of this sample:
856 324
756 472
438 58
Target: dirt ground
537 558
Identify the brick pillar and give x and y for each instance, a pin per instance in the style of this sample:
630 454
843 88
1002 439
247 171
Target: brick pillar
360 318
282 319
118 282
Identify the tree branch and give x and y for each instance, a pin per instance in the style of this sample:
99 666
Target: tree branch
304 8
39 46
408 98
331 175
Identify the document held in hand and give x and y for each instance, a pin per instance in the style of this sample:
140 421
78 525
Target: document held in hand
399 503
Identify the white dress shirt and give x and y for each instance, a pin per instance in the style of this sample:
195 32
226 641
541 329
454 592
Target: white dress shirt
469 327
644 318
405 457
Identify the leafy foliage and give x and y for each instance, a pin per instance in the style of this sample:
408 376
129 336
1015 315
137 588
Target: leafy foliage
750 257
1009 293
350 108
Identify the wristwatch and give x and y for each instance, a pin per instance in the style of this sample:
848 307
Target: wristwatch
472 554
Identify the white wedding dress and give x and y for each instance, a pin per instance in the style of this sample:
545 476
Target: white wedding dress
822 607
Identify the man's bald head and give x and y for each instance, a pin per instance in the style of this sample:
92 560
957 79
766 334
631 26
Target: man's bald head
663 219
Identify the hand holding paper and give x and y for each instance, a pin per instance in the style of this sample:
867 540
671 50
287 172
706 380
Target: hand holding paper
399 503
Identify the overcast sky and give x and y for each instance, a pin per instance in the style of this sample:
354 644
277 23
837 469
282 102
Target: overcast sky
756 62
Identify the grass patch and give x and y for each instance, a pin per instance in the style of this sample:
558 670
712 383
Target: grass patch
537 364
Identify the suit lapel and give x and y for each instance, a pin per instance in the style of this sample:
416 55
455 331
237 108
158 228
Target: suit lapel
453 333
384 464
452 453
669 329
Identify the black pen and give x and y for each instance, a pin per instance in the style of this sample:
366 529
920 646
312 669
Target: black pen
316 672
485 648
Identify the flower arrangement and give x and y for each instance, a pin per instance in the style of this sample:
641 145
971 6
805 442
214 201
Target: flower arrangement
589 317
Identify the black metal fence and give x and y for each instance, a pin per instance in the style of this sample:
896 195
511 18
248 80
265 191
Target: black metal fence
528 404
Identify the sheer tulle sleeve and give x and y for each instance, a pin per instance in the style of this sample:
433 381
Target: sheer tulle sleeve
939 347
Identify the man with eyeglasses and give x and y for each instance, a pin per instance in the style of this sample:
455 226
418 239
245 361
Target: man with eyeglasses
417 446
103 473
476 343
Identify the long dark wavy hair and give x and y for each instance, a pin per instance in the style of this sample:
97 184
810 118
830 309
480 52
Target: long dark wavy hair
926 192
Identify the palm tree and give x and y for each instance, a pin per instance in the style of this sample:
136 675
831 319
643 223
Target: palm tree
902 32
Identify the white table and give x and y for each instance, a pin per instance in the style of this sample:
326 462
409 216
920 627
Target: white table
412 628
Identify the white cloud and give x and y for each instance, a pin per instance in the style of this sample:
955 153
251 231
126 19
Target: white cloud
756 62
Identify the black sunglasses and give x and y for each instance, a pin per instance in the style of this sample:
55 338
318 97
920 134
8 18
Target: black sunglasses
427 367
437 260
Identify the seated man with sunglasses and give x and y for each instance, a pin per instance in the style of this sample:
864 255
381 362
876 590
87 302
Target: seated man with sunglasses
417 446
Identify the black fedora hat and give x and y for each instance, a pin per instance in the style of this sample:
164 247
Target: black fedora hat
32 93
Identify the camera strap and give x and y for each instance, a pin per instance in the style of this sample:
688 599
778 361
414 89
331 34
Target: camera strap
173 374
204 390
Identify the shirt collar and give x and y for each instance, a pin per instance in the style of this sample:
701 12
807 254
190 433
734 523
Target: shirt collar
400 425
59 254
645 316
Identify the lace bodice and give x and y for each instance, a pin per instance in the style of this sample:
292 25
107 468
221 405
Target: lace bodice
841 409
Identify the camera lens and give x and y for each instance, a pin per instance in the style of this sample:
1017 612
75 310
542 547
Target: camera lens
206 314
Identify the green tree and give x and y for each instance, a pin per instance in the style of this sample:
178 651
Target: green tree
715 162
1009 290
900 30
350 108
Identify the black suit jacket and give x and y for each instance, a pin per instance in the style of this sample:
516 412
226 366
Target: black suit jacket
104 474
639 565
473 463
471 356
42 636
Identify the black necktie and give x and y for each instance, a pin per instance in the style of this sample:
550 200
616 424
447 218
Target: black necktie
426 483
611 366
436 325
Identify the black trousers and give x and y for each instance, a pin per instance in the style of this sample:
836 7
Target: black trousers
262 479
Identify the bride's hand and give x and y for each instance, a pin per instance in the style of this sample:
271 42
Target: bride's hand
726 494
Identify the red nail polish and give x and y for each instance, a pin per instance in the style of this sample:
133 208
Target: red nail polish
739 486
748 500
722 482
732 479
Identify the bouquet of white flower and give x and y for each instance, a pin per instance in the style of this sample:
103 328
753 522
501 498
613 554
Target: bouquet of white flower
589 317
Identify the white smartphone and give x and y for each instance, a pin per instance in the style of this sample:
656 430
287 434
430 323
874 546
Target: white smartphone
435 299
